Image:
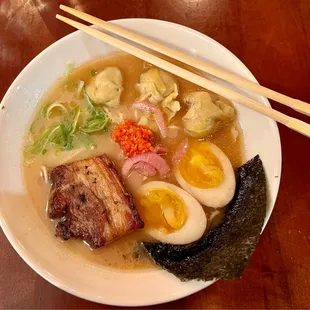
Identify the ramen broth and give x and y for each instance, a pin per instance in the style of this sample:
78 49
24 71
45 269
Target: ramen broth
124 253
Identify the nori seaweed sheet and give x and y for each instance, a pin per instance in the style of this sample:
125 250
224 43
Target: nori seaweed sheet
224 252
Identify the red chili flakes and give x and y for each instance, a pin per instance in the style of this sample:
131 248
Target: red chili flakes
133 139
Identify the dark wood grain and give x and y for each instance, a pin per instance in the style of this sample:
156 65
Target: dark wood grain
272 37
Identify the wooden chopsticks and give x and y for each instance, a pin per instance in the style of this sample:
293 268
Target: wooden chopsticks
290 122
295 104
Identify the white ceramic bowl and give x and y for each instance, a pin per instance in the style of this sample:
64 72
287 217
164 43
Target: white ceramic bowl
27 232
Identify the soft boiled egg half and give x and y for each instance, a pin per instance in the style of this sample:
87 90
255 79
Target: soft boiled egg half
206 173
170 214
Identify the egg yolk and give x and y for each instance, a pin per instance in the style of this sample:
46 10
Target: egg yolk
162 209
200 167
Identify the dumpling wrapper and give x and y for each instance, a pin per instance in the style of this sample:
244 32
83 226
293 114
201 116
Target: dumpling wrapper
156 85
170 105
159 87
106 87
205 116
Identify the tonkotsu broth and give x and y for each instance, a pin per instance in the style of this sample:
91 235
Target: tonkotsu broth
124 253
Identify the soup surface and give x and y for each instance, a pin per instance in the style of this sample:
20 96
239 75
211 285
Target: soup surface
124 253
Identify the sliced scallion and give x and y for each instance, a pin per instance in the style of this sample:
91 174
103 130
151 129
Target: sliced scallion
98 122
79 88
93 72
40 145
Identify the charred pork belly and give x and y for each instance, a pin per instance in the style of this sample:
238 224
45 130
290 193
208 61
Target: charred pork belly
91 202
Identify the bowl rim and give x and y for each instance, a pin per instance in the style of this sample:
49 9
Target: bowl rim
56 281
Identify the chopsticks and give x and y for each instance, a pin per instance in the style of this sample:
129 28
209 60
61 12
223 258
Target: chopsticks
290 122
295 104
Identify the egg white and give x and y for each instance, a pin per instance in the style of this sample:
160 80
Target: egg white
216 197
195 224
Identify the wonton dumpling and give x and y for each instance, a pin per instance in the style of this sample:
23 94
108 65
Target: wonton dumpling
156 85
205 116
170 105
159 87
106 87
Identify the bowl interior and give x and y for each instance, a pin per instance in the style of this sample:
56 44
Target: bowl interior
28 234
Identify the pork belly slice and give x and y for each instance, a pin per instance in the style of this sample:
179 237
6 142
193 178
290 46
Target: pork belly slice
91 202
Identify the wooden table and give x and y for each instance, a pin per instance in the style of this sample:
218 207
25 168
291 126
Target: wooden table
272 37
